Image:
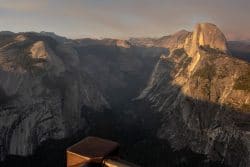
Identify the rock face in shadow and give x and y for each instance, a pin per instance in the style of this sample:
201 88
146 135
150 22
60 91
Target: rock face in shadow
200 92
47 85
120 72
42 92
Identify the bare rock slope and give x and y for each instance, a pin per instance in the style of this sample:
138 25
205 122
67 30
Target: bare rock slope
42 92
203 94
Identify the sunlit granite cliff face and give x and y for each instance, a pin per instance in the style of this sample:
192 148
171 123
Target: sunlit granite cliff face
203 94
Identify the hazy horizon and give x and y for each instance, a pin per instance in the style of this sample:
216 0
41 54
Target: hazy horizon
124 19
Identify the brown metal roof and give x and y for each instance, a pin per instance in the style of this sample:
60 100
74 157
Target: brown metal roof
93 148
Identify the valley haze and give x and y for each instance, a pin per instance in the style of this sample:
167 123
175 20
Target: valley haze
169 80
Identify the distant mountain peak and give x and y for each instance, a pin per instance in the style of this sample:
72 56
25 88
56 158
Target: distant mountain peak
6 33
55 36
181 32
208 34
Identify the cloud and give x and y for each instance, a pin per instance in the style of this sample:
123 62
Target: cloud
23 5
124 18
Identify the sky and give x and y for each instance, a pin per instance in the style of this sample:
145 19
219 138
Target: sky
124 18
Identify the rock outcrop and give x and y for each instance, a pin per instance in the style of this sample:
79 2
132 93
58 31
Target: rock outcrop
177 40
206 35
202 93
43 93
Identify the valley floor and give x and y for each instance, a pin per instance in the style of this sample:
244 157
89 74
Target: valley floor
135 133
